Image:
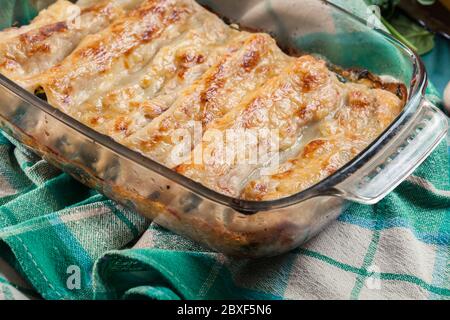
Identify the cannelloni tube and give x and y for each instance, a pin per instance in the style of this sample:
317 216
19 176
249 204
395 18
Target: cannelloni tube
304 93
102 60
53 35
364 117
250 61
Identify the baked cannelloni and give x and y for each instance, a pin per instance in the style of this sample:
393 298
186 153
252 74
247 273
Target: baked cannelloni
224 107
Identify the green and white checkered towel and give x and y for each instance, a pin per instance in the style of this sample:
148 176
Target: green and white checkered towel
61 240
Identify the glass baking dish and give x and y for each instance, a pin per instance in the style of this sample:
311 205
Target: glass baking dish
229 225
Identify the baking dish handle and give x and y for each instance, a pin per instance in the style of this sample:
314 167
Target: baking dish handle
397 159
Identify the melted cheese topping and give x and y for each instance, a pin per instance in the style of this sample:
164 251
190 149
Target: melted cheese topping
148 72
303 93
248 63
150 92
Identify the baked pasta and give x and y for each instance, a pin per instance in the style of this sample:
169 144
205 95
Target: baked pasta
224 107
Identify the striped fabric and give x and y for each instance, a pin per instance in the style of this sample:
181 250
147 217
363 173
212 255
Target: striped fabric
61 240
